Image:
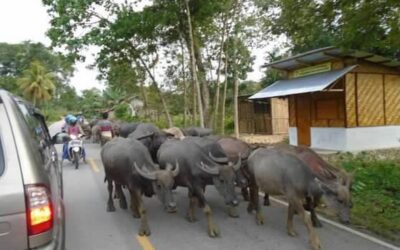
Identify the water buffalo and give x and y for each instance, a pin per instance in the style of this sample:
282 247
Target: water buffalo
233 148
197 131
151 136
337 179
127 128
127 162
197 170
175 132
278 172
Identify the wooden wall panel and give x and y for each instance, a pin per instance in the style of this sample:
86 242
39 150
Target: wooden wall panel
327 109
370 100
351 118
392 99
368 67
292 111
280 115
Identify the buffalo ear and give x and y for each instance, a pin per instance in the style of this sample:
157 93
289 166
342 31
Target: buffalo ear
207 169
145 173
326 188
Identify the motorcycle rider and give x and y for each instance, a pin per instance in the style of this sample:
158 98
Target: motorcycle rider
73 129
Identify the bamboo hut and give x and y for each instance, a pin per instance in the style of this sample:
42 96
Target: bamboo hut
340 100
267 116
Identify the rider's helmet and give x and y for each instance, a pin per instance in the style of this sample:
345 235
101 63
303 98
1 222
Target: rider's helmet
72 120
68 118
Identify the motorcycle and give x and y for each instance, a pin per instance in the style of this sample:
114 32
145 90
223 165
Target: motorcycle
75 150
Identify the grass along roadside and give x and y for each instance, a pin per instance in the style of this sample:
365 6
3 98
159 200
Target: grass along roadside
376 190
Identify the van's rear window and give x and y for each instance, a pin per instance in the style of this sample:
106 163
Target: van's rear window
2 163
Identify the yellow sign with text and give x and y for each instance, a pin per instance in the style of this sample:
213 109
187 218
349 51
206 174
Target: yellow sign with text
323 67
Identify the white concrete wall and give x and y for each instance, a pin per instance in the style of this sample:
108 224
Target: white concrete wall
293 136
355 139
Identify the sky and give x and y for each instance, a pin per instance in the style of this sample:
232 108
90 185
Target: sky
23 20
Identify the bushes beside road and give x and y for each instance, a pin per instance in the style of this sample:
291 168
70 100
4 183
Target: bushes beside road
376 190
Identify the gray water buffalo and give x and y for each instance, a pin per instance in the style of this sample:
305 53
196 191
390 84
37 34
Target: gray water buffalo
197 170
127 162
197 131
280 173
127 128
338 180
151 136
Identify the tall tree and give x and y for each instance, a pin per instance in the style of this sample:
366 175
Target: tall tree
36 83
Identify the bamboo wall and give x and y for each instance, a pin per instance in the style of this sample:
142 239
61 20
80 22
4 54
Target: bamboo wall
372 96
279 115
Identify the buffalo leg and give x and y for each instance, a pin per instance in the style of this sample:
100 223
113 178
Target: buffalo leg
291 212
314 238
192 205
144 226
134 205
110 202
212 228
266 200
121 196
245 193
310 206
255 204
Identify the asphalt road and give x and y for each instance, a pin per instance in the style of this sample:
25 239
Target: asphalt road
89 226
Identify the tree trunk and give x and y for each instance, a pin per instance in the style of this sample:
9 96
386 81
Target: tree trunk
145 102
154 82
205 93
224 96
235 74
219 75
193 65
185 99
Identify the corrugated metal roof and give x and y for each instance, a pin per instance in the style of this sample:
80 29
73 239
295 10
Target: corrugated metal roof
306 84
329 53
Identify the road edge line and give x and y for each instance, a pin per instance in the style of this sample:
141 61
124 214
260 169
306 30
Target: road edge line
350 230
93 165
145 242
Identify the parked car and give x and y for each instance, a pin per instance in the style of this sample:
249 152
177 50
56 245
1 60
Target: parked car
31 188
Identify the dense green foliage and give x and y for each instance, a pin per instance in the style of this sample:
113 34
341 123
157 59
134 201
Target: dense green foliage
376 192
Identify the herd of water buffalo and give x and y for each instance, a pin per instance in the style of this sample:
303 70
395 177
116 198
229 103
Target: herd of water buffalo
149 161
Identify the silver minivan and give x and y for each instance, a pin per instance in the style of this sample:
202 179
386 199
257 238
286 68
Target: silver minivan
31 191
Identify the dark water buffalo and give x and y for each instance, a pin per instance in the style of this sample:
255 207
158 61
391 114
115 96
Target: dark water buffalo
234 148
281 173
151 136
336 179
128 163
197 170
197 131
127 128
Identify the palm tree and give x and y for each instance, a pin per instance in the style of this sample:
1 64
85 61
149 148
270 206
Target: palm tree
36 83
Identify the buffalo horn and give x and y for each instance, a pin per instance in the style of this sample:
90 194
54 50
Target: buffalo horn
144 136
145 174
207 169
236 167
174 171
218 159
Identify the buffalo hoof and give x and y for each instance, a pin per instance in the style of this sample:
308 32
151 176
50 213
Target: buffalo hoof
144 231
315 243
213 231
110 208
250 208
292 233
233 212
136 215
122 204
259 218
191 218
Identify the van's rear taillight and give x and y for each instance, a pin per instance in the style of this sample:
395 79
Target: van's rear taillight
39 209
